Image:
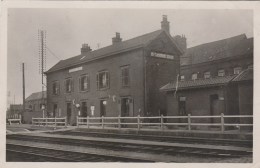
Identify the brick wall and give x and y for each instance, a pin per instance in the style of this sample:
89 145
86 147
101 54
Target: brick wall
135 61
159 72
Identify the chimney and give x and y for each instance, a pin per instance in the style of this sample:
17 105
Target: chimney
165 25
116 39
85 48
181 41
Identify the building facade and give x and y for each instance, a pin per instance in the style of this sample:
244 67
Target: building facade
34 106
121 79
35 101
220 58
215 78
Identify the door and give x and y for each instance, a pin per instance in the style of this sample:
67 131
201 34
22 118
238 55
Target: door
84 109
55 110
214 107
103 104
125 107
182 109
69 111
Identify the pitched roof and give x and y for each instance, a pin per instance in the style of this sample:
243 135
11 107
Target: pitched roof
225 48
126 45
16 106
199 83
245 75
36 96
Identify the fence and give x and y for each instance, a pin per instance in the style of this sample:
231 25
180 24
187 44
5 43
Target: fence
14 118
161 122
56 122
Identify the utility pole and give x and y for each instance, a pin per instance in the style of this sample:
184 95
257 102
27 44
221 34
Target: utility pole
42 62
23 89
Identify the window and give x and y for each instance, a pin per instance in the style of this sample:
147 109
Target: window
182 77
237 70
102 80
125 79
68 85
56 88
207 75
221 72
194 76
83 83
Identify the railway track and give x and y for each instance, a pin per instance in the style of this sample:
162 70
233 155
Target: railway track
172 139
38 154
139 148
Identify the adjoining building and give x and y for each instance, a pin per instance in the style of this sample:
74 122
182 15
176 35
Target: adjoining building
121 79
34 106
215 78
35 101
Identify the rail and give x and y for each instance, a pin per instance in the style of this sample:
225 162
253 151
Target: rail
56 122
221 122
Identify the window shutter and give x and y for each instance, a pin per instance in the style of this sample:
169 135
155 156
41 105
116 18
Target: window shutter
53 88
65 88
80 83
97 81
88 81
72 85
122 77
58 86
108 81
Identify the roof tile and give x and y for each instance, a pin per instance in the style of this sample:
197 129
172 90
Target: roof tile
36 96
197 83
233 46
102 52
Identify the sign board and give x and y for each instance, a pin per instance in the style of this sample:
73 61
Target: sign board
162 55
75 69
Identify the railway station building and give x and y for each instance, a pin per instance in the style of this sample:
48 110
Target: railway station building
215 78
121 79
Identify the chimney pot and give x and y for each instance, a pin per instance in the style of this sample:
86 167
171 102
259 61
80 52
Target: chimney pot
165 25
85 48
116 39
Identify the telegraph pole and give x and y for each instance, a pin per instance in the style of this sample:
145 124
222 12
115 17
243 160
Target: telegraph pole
23 88
42 61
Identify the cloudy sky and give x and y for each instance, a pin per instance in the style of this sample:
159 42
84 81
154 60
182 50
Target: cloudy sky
67 29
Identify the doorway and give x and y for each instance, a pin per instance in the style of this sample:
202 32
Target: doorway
126 107
69 110
103 104
55 109
84 109
213 106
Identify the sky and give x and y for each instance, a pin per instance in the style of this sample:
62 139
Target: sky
67 29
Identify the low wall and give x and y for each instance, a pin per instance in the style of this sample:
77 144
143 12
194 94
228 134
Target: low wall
27 116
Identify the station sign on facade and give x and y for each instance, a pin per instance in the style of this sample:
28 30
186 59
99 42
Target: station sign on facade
162 55
75 69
